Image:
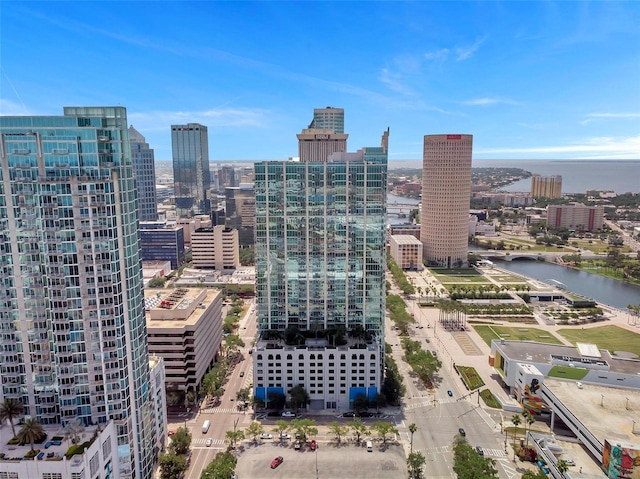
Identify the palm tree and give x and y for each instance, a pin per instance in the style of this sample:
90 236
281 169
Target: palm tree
516 420
562 466
412 429
30 431
9 410
528 417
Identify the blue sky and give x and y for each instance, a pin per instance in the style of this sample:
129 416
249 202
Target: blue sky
530 80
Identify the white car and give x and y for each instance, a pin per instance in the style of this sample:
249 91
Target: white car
208 442
266 435
284 435
288 414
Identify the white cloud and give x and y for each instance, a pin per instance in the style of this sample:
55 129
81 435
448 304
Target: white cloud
11 108
486 101
591 117
215 117
597 147
437 54
393 82
465 53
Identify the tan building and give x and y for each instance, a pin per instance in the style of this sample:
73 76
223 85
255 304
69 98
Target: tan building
406 251
546 186
446 193
184 328
318 145
405 229
215 247
575 216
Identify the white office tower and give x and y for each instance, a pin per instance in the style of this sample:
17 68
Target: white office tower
446 192
72 320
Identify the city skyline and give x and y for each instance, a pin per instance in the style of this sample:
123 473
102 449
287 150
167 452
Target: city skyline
528 80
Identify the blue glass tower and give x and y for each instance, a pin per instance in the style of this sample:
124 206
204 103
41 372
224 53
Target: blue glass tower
72 319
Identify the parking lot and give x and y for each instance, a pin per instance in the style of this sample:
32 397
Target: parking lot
349 461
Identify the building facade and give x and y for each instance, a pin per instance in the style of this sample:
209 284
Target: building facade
575 216
162 242
546 186
143 161
328 118
406 251
240 211
185 330
191 175
215 247
446 192
320 267
72 289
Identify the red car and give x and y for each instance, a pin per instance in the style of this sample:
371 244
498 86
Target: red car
171 433
276 462
313 445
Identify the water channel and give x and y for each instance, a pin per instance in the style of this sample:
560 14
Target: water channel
604 290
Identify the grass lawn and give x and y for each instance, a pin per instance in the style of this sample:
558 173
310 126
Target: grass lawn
611 338
489 399
517 334
566 372
454 272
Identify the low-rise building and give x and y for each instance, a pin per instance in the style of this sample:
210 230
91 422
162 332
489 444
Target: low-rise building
215 248
406 251
55 456
184 328
405 229
160 241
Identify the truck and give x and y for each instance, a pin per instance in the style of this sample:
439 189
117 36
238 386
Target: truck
205 426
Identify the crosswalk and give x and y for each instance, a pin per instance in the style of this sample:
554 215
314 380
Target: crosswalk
224 410
429 403
201 441
433 451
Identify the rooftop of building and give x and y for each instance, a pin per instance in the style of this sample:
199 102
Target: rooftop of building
177 307
406 240
53 448
607 412
534 352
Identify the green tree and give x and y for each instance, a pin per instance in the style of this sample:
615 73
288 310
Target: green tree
234 437
412 429
222 466
282 427
337 430
359 428
516 420
180 441
383 429
529 420
11 409
537 474
247 256
172 465
231 344
254 430
158 282
243 395
415 465
30 431
299 397
304 428
360 403
562 466
468 464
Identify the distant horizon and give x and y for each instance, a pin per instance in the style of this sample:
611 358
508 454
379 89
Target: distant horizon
565 160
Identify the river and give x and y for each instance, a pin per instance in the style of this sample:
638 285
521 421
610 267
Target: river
604 290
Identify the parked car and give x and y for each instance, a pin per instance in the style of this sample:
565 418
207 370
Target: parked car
297 446
462 432
276 462
266 435
479 451
313 445
450 393
171 433
288 414
349 414
208 442
284 435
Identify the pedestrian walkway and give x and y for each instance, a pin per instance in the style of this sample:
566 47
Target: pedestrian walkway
223 410
429 403
201 441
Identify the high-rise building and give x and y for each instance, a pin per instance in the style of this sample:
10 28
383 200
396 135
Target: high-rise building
446 195
328 118
191 176
546 186
320 276
324 136
240 207
72 318
215 247
142 158
575 216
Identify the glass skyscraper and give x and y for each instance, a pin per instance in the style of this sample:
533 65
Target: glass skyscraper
191 176
143 161
72 320
320 272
